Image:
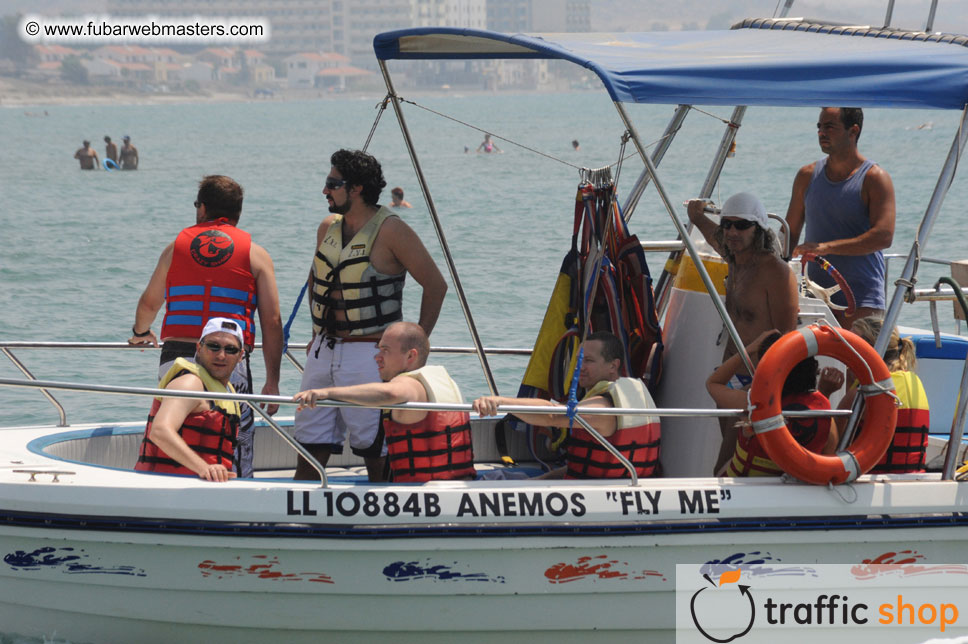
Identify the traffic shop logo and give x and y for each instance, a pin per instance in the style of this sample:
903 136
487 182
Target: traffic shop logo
738 597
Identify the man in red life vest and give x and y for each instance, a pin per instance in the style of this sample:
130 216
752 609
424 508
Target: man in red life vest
636 437
192 436
215 269
421 445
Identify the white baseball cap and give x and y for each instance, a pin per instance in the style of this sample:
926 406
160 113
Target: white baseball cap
744 205
224 325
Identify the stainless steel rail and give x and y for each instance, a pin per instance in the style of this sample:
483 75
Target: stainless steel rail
684 234
504 409
31 344
253 399
25 371
438 227
293 443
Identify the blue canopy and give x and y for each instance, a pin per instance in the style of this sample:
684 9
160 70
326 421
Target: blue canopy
773 63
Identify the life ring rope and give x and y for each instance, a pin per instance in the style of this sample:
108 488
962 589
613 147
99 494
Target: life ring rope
876 384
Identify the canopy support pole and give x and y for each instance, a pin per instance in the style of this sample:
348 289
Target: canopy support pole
929 26
889 16
712 177
448 258
643 181
906 281
686 240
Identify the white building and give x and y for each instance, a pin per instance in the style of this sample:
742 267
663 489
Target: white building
302 69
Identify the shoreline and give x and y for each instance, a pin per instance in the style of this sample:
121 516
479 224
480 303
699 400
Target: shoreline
17 93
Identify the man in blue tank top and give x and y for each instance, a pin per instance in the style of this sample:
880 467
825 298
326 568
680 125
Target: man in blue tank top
847 204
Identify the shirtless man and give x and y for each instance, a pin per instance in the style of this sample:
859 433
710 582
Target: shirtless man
110 150
88 157
761 290
847 204
129 155
363 254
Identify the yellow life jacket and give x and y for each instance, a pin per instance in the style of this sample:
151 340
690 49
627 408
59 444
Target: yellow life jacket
629 393
438 384
181 365
371 300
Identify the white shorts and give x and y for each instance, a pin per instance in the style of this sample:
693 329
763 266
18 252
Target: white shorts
334 363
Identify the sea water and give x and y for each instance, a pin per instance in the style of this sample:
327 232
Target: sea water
77 248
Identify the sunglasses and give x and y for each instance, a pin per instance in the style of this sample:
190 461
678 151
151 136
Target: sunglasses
198 203
738 224
334 184
215 347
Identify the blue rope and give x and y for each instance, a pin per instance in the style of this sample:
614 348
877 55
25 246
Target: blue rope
292 317
573 391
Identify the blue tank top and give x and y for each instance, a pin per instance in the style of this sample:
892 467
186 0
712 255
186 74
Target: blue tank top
835 210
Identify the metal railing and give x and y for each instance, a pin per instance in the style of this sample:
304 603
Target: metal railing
253 400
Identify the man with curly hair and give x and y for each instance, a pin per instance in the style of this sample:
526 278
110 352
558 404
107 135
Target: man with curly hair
363 255
761 290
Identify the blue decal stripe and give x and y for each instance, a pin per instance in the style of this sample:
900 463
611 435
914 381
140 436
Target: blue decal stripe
231 293
191 320
225 307
185 305
176 291
350 531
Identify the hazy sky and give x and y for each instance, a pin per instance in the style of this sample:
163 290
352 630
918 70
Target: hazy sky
644 15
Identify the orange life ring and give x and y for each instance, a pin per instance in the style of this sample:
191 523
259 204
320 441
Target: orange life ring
880 412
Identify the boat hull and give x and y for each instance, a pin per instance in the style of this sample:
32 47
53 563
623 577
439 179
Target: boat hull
92 585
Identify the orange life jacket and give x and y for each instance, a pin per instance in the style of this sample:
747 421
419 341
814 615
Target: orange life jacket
750 458
906 452
210 276
212 433
437 447
636 438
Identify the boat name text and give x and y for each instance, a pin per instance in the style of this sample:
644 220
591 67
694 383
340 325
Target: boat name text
329 503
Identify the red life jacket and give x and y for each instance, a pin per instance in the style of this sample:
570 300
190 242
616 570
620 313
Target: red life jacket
210 276
587 459
906 452
437 447
212 433
750 459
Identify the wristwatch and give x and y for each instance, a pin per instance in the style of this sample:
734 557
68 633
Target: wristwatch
140 335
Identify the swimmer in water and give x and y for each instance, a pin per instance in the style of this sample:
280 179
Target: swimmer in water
398 201
488 145
88 157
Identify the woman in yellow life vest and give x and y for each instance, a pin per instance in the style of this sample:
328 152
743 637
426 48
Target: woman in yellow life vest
907 451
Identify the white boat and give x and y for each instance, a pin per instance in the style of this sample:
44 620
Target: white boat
93 551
